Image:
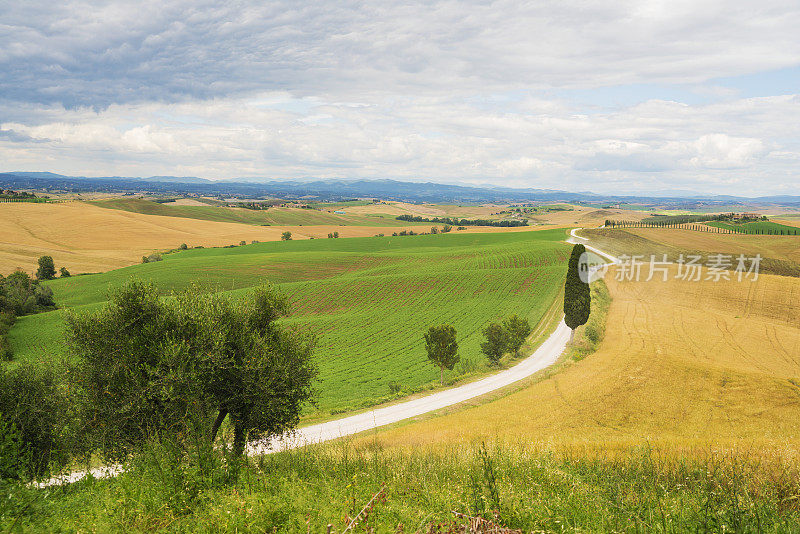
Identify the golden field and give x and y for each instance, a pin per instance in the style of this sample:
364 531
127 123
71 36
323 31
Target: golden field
87 238
777 247
578 216
684 364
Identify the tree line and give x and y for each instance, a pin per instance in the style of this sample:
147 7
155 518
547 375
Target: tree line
701 227
452 221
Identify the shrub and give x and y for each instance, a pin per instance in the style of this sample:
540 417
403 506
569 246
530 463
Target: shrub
242 243
43 296
32 404
13 456
20 294
153 258
64 272
183 246
286 236
6 352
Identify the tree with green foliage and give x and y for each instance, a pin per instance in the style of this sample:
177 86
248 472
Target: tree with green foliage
64 273
286 236
34 420
21 295
442 348
577 299
517 331
176 368
496 342
183 246
47 269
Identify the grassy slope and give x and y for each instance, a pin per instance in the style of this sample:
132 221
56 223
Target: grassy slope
755 227
272 216
306 490
781 254
368 299
684 363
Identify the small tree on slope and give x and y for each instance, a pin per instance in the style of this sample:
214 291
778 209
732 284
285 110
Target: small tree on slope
496 342
440 342
577 299
517 331
46 270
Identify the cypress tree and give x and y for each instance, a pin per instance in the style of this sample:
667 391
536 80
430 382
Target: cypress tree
577 300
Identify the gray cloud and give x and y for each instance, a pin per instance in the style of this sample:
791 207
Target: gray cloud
114 52
459 91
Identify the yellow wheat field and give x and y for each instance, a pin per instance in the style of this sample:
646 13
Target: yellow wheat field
777 247
87 238
682 363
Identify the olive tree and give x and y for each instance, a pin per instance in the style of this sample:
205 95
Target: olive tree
174 367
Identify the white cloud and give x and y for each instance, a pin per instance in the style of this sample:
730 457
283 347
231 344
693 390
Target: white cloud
445 90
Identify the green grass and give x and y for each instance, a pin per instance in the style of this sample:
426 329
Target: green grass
273 216
513 486
368 299
757 227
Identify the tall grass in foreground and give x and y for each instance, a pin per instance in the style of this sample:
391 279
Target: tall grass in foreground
513 486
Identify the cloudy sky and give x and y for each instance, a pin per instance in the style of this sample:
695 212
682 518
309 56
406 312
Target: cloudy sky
602 96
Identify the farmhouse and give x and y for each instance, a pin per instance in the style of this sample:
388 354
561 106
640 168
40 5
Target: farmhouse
741 216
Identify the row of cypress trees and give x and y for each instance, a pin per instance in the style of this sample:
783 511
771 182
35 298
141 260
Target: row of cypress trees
700 228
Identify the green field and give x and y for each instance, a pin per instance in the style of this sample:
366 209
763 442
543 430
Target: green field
368 299
757 227
275 216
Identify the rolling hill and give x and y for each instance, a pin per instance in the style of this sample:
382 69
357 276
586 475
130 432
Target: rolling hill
368 299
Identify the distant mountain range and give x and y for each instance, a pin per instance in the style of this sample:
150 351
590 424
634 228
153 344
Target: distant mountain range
341 189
